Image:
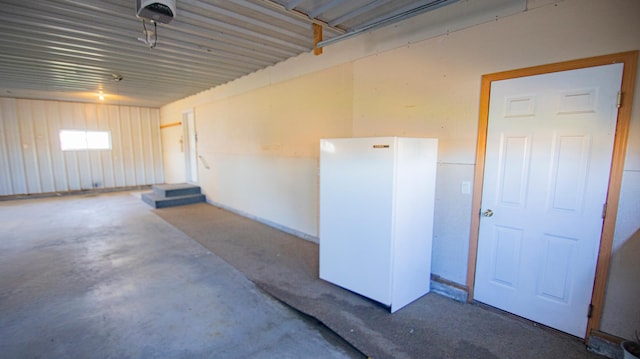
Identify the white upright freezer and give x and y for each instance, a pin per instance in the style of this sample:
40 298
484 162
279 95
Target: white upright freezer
376 216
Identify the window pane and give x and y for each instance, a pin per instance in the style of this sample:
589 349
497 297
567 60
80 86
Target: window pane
98 140
73 140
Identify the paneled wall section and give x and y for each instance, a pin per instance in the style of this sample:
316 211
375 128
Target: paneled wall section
258 134
31 160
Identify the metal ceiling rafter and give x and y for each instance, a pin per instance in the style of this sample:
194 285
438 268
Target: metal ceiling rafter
385 21
358 11
36 76
170 58
304 16
17 15
142 54
107 68
240 17
292 4
105 81
118 10
278 14
240 30
74 7
322 9
78 83
242 45
43 75
55 45
408 11
127 61
230 41
57 86
111 8
108 89
82 35
219 24
105 71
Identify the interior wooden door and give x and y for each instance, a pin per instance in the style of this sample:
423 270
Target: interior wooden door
548 157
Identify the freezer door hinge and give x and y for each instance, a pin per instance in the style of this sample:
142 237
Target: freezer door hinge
619 100
590 313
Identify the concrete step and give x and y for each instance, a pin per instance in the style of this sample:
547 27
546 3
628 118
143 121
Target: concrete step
157 201
174 190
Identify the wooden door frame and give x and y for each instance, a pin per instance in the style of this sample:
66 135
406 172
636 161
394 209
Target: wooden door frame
630 61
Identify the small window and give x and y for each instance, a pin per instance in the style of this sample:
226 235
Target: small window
73 140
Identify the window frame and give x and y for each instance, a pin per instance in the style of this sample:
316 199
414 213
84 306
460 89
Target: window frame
82 142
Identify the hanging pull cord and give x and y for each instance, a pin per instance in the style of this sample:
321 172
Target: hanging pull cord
151 36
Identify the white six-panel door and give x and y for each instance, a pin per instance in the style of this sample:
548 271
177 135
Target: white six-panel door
548 156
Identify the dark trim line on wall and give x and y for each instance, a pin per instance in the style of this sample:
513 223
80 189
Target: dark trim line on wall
74 193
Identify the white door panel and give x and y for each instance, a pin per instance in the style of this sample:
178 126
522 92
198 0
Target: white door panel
548 156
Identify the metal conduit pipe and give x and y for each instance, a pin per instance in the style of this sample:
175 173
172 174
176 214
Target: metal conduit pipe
388 21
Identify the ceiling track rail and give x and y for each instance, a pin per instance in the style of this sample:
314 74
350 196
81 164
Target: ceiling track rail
304 16
388 21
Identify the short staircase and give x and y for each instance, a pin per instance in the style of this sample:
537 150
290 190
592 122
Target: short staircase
170 195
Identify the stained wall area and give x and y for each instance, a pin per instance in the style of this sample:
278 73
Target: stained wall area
260 134
32 161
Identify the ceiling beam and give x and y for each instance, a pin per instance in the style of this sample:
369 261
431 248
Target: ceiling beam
317 38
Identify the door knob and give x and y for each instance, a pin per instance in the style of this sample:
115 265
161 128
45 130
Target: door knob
487 213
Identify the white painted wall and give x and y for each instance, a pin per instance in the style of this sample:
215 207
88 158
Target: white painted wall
621 310
31 160
419 78
264 157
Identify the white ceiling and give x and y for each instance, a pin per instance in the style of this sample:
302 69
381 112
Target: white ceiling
73 49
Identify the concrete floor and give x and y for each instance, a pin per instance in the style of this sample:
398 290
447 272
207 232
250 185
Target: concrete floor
103 277
106 276
433 326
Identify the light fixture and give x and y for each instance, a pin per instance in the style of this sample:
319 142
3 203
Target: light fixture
100 96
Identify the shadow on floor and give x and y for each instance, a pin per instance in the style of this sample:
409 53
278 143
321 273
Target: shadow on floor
434 326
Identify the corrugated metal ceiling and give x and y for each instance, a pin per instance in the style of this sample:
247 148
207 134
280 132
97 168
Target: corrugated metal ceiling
73 49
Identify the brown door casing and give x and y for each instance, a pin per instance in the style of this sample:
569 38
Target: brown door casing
630 61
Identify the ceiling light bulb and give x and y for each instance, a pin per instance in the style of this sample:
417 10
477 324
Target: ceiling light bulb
101 97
